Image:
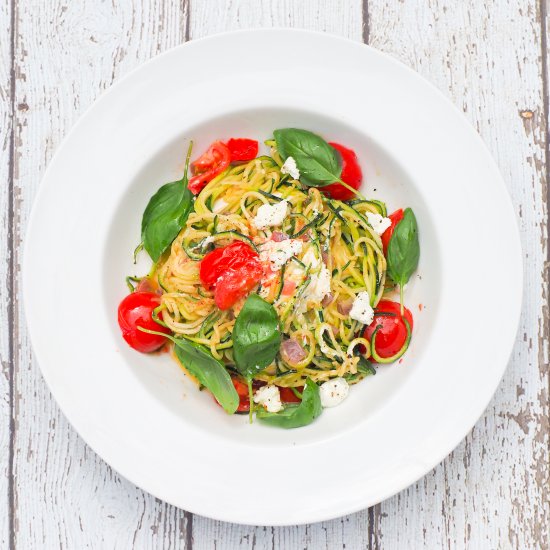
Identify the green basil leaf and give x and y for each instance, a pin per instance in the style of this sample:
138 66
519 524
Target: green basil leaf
319 163
208 371
256 336
296 416
404 249
166 214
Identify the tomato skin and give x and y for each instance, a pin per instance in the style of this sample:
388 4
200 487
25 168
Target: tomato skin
288 396
136 310
234 285
211 163
233 271
242 149
351 174
395 218
392 335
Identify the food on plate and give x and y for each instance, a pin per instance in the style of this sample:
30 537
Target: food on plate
277 284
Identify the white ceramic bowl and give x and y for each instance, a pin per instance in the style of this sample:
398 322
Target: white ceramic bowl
141 413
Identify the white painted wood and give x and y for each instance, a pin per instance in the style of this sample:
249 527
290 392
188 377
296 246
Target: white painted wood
66 54
486 56
493 491
342 17
5 205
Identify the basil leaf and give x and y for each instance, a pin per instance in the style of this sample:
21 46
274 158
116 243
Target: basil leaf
256 336
404 249
166 214
318 162
208 371
296 416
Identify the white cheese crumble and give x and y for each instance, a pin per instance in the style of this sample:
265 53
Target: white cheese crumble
271 215
269 397
378 222
208 240
289 167
279 253
361 309
219 205
319 286
310 259
333 392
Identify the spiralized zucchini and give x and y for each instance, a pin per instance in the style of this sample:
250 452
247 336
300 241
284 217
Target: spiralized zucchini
333 234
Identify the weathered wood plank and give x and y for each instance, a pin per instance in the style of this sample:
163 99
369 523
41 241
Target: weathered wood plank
486 56
66 54
5 271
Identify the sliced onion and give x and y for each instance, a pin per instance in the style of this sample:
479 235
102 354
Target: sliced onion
292 352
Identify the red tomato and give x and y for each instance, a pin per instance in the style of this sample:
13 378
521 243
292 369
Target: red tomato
242 391
393 333
288 288
242 149
288 396
233 270
136 311
395 218
211 163
351 174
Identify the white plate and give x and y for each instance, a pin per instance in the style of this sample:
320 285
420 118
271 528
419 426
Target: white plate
140 413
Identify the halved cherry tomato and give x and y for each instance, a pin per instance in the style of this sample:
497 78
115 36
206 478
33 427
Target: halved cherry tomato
136 311
392 334
351 174
242 149
395 218
211 163
233 270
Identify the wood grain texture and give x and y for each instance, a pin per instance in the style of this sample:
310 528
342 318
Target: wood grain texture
66 53
6 349
486 56
489 58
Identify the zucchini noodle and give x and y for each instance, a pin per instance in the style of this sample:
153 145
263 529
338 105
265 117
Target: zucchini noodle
334 235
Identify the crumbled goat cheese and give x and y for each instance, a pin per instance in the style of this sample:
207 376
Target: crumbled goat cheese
269 397
333 392
208 240
218 206
361 309
289 167
310 259
279 253
271 215
379 223
317 288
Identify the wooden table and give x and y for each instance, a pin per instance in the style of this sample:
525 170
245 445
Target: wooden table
489 57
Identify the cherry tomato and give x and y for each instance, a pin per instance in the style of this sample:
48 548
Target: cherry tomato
288 396
233 271
351 174
211 163
395 218
136 311
242 391
392 335
216 263
242 149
